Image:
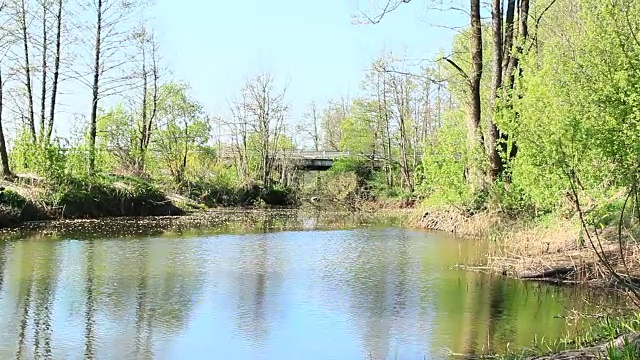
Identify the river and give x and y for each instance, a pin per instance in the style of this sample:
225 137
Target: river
305 288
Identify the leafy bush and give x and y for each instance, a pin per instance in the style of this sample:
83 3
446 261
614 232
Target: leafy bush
106 195
12 199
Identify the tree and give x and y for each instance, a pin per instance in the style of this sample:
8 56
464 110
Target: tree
22 21
266 110
475 78
117 136
56 72
147 47
310 127
5 44
401 88
110 36
505 61
4 157
238 128
505 66
331 118
183 126
359 128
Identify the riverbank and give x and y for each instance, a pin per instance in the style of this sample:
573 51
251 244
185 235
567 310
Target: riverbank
28 198
555 249
549 248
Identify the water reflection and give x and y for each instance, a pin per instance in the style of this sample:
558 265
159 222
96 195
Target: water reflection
348 294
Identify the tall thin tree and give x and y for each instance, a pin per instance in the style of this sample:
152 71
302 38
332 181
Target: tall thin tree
56 73
22 16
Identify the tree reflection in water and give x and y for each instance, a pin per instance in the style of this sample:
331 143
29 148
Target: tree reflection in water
377 293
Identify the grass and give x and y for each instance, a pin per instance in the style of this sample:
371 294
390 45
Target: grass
603 337
534 245
12 199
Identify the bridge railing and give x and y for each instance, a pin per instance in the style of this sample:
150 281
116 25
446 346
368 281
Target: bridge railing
298 154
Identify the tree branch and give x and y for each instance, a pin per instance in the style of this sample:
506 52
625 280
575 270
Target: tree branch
462 72
391 6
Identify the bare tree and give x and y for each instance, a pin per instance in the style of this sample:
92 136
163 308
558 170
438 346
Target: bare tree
4 158
401 88
5 45
238 130
22 21
332 117
267 109
111 30
44 65
150 73
310 127
56 72
389 6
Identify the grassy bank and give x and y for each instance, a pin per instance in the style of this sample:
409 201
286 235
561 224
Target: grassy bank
613 338
31 198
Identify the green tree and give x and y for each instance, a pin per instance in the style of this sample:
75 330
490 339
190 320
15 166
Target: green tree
183 127
360 128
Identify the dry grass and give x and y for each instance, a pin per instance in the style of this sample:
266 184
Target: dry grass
455 221
518 249
29 186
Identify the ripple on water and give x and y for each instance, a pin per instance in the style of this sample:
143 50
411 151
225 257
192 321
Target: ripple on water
342 294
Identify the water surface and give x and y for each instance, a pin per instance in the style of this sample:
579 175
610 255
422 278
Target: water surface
222 292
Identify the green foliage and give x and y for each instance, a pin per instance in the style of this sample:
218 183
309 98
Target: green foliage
104 195
279 195
185 128
359 128
355 164
45 160
12 199
578 106
443 170
380 189
118 139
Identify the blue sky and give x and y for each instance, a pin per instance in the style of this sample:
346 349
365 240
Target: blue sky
313 46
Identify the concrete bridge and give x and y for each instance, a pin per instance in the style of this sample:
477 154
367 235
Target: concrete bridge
307 160
313 160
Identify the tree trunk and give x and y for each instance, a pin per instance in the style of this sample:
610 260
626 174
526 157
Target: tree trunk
143 127
493 153
156 96
4 158
266 171
476 138
524 22
512 69
388 131
95 93
27 72
475 113
183 166
43 96
507 51
523 29
56 73
316 140
401 98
